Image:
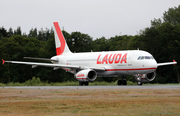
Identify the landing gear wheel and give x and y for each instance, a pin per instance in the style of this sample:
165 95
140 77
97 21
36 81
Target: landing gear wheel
86 83
139 83
124 82
80 83
119 82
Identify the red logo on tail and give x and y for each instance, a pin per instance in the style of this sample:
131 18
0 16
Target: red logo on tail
60 49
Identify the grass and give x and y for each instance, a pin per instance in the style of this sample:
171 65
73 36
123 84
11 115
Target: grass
101 102
37 82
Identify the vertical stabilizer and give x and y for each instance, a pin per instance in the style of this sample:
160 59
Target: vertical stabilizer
61 45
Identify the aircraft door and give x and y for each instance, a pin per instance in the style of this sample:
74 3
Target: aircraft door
130 57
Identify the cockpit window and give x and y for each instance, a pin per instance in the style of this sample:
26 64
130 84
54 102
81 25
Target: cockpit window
145 57
139 57
142 57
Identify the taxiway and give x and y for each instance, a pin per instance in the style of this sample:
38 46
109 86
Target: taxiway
97 87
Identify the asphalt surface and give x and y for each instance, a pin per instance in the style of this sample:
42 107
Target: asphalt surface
98 87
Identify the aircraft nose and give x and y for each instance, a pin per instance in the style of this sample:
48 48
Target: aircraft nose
153 64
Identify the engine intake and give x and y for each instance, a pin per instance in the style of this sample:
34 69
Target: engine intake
151 76
86 75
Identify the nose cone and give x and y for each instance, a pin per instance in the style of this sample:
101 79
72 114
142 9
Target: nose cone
148 66
152 63
149 63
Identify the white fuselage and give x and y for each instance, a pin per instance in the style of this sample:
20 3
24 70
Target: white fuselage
115 62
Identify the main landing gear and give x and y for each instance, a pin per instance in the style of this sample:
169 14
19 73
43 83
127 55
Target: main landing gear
122 81
81 83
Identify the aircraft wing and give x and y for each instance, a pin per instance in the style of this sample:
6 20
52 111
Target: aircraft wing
167 63
45 59
34 64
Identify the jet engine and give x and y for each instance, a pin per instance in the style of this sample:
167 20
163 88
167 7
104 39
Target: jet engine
86 75
145 77
150 76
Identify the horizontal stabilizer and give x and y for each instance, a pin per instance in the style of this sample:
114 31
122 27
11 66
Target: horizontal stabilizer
45 59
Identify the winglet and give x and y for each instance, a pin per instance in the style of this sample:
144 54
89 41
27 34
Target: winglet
174 61
3 61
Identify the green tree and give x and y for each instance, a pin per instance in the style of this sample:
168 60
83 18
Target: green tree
156 22
162 42
18 31
43 35
3 32
11 50
101 44
136 43
10 32
33 33
119 42
50 49
81 42
172 15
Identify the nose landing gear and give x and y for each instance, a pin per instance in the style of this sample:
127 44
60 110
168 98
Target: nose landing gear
139 82
138 78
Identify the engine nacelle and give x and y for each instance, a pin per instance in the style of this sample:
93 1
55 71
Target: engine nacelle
145 77
86 75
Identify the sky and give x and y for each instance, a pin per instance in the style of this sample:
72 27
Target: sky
97 18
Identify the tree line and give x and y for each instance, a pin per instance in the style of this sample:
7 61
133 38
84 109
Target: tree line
161 39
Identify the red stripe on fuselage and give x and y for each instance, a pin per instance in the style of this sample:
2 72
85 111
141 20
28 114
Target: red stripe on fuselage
130 69
59 50
81 78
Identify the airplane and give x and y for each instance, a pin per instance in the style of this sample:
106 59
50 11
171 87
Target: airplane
87 66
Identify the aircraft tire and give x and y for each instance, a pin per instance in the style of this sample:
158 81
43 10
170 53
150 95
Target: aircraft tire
86 83
119 82
139 83
81 83
124 82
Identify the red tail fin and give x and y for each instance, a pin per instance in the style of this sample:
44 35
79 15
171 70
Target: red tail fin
61 46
